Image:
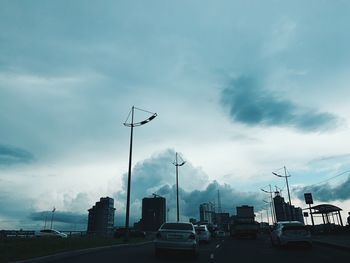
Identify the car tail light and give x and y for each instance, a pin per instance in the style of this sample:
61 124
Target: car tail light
158 235
192 236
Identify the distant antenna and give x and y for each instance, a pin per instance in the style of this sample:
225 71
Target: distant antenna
219 202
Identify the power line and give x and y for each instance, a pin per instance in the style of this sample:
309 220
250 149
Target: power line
348 171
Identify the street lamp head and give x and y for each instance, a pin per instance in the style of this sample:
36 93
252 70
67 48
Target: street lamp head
140 123
279 175
265 191
179 164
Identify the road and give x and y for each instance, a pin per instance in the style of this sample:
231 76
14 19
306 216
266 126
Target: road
219 250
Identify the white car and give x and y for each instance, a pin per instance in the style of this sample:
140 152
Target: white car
176 236
50 233
290 232
203 233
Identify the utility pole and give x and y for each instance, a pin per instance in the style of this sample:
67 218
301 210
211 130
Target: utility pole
177 164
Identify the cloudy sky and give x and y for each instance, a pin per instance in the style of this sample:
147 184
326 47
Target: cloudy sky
241 89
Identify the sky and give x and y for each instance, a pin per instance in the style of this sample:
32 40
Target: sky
241 89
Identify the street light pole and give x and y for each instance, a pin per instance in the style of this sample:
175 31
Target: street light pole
286 177
132 125
177 190
177 164
273 205
129 177
267 212
53 211
273 212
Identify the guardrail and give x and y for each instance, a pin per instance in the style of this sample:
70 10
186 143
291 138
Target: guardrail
31 233
17 233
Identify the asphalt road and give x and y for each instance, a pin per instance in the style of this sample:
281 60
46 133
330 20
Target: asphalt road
221 251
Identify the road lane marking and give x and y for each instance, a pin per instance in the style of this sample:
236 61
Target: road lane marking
217 246
211 256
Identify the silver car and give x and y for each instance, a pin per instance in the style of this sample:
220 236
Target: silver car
290 232
203 233
176 236
50 233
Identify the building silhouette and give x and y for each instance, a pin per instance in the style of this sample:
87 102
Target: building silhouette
286 212
206 213
153 212
101 217
222 220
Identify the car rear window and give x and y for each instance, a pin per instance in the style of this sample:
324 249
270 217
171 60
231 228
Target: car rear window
177 226
294 227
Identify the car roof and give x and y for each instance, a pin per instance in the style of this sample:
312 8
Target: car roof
290 223
178 223
177 226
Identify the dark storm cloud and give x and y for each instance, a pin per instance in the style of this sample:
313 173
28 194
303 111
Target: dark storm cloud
59 216
249 103
14 205
12 155
326 192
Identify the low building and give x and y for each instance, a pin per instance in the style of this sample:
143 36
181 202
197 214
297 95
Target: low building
153 212
101 217
222 220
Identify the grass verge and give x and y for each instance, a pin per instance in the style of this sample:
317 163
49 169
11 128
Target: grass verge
12 249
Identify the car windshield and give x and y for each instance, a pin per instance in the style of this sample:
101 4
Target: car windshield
177 226
199 229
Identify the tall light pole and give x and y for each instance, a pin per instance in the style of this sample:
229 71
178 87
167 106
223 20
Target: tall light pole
267 211
53 211
286 176
272 206
132 125
177 164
